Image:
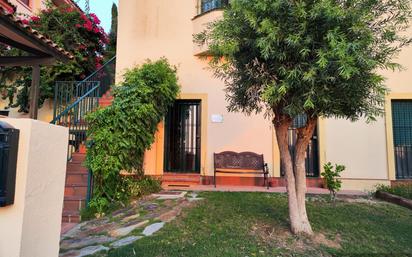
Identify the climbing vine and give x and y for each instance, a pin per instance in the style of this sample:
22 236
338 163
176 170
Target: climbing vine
121 133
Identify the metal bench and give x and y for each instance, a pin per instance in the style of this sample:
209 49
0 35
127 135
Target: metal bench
240 163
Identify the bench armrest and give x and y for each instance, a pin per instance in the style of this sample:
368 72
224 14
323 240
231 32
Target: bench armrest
265 168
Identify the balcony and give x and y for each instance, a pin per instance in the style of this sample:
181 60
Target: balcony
208 11
205 6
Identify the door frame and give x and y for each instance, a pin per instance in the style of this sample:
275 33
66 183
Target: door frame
160 137
390 149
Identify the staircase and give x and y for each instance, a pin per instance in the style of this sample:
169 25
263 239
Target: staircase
76 189
179 180
72 102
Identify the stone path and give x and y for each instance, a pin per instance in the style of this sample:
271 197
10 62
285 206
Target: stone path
123 227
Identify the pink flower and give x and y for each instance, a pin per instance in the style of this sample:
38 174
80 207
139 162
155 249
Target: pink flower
96 30
25 21
88 25
35 18
78 26
95 18
84 17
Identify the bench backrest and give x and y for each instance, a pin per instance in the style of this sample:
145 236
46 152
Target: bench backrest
241 161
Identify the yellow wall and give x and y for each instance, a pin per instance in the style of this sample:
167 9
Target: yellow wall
150 29
31 226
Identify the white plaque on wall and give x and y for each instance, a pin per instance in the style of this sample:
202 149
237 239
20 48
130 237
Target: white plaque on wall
217 118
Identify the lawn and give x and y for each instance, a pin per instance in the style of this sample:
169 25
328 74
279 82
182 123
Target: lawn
255 224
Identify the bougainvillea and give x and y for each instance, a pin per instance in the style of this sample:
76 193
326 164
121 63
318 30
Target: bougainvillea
78 33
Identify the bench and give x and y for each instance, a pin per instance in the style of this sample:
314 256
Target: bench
240 163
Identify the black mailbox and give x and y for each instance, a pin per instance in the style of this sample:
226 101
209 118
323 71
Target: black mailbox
9 143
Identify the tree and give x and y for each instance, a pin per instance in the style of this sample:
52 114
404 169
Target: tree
111 47
310 58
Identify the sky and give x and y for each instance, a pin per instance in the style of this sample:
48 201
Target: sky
103 10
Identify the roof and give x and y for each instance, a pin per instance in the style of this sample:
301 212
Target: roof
68 2
25 32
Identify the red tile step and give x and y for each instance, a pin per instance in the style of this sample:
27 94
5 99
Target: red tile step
71 217
76 178
78 158
74 203
178 179
74 190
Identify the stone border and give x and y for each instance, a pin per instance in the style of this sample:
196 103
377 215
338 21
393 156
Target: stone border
394 199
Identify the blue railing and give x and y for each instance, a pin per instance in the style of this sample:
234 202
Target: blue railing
74 100
86 100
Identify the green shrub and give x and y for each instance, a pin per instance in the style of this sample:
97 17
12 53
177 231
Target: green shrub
100 206
331 176
121 133
403 190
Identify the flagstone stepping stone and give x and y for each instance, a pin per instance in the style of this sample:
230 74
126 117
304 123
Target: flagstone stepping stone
124 231
82 242
125 241
129 218
170 215
92 250
73 231
85 251
151 207
153 228
194 199
169 195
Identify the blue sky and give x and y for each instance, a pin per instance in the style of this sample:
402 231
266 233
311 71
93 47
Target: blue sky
103 9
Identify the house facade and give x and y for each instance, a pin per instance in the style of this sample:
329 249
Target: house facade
199 124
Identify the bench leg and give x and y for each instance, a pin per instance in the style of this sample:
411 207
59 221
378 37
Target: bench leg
214 178
266 180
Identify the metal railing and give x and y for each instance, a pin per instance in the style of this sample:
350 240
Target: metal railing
74 100
74 115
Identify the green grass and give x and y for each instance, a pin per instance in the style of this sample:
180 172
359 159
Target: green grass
403 190
256 224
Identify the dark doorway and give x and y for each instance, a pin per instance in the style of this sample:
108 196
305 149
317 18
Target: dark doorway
402 137
182 137
312 152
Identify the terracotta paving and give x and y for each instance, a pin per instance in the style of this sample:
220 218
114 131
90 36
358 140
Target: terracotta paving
224 188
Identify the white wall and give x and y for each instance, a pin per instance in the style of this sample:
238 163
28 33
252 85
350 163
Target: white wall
31 226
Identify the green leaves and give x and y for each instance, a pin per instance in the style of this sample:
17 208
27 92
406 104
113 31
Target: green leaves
328 53
331 176
122 132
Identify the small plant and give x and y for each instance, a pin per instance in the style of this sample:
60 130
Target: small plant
331 175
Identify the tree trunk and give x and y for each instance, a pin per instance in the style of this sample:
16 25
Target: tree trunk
304 136
295 175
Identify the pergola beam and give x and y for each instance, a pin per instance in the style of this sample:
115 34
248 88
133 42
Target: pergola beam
10 61
11 42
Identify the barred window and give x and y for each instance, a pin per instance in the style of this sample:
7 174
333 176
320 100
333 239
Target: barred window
208 5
